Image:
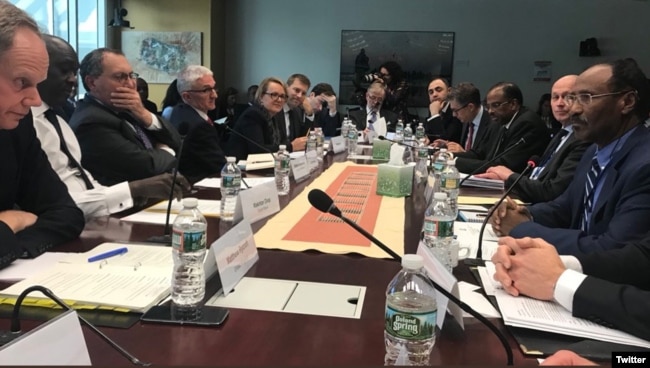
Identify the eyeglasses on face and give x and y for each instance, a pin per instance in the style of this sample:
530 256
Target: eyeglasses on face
496 105
375 99
586 98
204 90
454 111
123 77
276 96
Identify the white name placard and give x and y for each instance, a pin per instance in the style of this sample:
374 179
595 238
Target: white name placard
312 159
259 202
235 253
300 169
337 144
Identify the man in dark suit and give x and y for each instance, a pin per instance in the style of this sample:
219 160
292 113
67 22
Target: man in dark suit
364 119
478 128
323 101
291 122
120 140
441 123
36 211
558 163
610 287
505 106
607 203
202 156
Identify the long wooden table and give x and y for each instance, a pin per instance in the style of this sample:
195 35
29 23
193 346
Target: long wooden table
251 337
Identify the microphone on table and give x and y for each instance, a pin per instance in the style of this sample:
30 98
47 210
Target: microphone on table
166 238
250 141
532 162
490 162
324 203
16 332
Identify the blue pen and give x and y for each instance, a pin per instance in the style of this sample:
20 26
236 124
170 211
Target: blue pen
109 254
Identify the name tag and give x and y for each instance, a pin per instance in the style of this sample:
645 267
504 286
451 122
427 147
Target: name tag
259 202
235 253
300 169
337 144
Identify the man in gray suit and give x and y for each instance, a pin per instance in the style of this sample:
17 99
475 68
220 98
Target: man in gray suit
558 163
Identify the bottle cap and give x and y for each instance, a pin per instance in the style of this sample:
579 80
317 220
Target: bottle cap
283 147
231 159
412 261
190 202
440 196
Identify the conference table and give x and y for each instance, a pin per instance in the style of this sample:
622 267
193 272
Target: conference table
250 337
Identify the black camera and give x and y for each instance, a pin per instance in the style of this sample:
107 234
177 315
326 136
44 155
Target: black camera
371 77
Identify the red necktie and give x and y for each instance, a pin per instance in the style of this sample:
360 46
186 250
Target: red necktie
470 135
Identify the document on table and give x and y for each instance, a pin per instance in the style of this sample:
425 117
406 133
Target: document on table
157 213
467 235
476 300
480 200
23 268
549 316
216 182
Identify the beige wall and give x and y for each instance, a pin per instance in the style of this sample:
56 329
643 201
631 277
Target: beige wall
171 16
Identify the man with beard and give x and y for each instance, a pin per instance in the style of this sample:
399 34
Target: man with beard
366 118
607 203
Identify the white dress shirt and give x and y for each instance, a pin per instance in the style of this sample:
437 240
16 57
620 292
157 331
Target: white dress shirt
569 282
100 201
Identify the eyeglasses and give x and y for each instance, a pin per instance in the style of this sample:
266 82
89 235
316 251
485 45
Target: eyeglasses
204 90
454 111
276 96
123 77
496 105
376 99
586 98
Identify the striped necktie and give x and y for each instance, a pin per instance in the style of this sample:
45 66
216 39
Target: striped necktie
590 185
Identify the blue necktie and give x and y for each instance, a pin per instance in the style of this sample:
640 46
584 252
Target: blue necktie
373 119
590 186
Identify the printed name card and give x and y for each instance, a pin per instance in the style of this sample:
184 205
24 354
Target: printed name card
312 159
337 144
235 253
300 169
259 202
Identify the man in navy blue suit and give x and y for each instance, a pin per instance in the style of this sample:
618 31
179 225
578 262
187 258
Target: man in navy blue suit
608 201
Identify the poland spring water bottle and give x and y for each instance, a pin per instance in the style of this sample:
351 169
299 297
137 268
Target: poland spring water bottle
282 160
449 180
439 228
188 249
320 142
230 186
419 133
411 311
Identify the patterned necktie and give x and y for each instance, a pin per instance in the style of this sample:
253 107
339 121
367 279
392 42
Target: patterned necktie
470 136
549 153
590 186
139 132
373 119
72 162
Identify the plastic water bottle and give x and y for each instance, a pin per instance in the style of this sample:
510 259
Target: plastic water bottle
411 312
399 131
311 151
353 136
345 126
449 180
320 140
230 186
421 171
408 134
439 228
188 249
419 133
282 169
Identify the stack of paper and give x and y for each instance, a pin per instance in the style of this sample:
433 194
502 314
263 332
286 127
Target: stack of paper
157 214
257 161
216 182
473 181
467 235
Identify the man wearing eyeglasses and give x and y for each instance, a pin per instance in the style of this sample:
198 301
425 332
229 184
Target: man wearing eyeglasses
120 140
202 156
558 163
366 118
608 201
522 133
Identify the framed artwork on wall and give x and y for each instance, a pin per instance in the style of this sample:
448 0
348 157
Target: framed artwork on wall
159 56
421 55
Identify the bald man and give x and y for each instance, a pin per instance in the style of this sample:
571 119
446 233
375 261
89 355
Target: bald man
558 163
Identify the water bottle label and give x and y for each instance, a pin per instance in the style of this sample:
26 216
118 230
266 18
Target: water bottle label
282 164
231 181
188 241
438 166
423 153
441 229
410 326
449 183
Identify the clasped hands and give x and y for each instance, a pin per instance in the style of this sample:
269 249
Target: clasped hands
508 215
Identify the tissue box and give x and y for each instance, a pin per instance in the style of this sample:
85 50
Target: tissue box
394 180
380 150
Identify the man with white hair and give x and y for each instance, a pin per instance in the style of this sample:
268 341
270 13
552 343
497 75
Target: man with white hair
202 156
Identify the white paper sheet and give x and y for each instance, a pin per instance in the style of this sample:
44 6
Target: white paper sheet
23 268
216 182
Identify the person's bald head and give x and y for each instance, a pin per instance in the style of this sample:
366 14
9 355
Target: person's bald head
559 106
62 73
